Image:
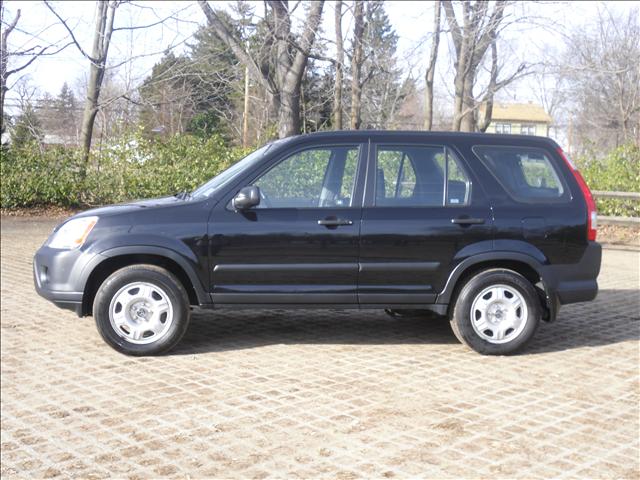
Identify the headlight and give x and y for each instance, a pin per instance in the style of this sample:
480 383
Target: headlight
73 233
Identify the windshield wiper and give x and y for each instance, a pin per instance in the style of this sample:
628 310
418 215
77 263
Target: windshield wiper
182 195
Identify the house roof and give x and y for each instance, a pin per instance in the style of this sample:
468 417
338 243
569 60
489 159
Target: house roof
522 112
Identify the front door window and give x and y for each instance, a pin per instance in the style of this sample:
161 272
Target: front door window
314 178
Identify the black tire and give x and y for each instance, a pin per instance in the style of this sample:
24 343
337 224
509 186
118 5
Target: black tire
461 317
151 274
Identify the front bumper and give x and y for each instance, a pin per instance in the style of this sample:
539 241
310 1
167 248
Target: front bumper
58 276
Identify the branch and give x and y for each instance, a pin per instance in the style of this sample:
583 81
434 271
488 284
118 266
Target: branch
35 56
222 32
10 27
308 37
73 37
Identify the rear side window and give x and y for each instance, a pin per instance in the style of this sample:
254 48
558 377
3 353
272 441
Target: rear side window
419 176
526 173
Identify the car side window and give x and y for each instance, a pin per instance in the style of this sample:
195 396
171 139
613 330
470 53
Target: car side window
419 176
526 173
313 178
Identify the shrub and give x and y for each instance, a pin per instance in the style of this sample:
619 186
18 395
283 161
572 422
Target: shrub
618 171
132 168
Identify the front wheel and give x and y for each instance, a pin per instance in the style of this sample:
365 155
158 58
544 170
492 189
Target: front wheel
496 312
141 310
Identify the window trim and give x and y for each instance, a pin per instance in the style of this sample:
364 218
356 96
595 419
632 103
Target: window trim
566 196
528 127
273 163
371 184
502 125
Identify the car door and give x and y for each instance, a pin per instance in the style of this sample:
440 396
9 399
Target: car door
422 210
300 244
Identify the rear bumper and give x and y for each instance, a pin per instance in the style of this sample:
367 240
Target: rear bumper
577 282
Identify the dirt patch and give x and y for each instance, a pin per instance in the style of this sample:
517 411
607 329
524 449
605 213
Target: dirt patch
619 235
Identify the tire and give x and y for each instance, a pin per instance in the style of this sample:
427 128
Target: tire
486 316
142 310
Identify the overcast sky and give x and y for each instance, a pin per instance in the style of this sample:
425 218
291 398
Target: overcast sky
411 20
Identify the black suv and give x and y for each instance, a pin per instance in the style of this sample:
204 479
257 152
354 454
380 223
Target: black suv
493 231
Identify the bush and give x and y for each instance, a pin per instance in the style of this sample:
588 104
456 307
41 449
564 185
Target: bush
618 171
133 168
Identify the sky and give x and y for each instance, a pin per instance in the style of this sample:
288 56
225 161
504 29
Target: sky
411 20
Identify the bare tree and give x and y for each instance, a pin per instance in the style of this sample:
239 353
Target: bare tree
477 32
337 95
431 69
357 60
103 30
601 66
282 76
28 55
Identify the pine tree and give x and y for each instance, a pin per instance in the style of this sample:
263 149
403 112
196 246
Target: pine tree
27 128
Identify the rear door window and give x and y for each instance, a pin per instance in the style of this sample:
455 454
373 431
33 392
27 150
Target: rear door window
419 176
526 173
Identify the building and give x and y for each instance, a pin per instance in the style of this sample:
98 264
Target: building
519 118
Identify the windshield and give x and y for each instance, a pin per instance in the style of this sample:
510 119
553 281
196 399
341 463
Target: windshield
229 174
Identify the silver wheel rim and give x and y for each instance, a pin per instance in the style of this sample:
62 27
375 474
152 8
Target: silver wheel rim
499 314
141 313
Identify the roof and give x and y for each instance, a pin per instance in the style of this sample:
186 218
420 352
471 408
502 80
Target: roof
414 135
522 112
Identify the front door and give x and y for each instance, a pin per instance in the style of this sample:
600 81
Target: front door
422 210
300 244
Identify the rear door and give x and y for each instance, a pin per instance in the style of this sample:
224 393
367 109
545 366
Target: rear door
423 210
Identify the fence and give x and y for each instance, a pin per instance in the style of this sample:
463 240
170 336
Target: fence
626 221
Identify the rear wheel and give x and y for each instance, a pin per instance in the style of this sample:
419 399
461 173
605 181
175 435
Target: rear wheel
141 310
496 312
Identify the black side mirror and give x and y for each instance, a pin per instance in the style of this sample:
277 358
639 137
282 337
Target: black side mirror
247 198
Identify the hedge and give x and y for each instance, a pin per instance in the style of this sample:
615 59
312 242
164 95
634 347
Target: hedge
134 168
618 171
138 167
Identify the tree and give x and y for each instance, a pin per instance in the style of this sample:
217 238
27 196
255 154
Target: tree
601 70
478 31
281 70
357 59
381 85
431 69
15 61
27 128
339 66
103 30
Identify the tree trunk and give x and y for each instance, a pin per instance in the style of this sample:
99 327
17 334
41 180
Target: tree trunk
4 60
99 52
431 70
283 85
356 66
467 121
245 113
337 95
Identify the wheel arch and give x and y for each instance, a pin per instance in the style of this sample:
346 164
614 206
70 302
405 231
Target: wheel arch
118 258
524 264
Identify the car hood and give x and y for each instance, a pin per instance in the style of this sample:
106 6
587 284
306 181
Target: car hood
129 207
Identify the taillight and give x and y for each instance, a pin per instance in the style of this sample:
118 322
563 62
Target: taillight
592 214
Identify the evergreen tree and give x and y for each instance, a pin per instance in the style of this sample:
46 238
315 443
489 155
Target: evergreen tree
27 128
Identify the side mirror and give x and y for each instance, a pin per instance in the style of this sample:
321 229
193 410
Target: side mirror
247 198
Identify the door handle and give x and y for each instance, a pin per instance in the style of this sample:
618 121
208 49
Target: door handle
467 221
334 222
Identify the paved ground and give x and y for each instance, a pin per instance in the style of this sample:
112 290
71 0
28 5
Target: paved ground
317 394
